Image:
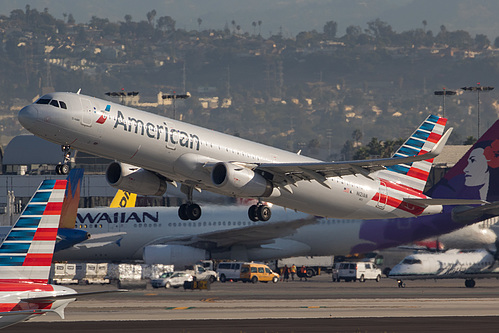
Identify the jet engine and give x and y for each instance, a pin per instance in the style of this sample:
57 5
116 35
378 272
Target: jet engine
240 181
177 255
133 179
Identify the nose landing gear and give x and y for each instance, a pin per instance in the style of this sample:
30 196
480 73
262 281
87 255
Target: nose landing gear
63 169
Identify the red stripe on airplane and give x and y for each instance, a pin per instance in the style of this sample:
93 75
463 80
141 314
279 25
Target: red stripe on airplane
38 259
398 204
53 208
60 184
23 285
418 174
434 137
442 121
45 234
403 188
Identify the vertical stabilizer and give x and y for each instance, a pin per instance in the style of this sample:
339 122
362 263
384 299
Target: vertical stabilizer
71 199
123 199
426 136
476 175
26 253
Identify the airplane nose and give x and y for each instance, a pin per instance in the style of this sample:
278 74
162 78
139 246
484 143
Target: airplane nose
28 116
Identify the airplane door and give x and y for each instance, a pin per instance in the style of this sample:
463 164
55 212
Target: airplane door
383 195
86 109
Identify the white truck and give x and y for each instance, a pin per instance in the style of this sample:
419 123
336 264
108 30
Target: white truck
200 273
313 264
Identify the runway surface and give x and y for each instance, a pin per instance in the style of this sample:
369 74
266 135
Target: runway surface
317 305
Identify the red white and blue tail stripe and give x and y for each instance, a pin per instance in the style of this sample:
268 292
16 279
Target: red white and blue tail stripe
26 253
415 175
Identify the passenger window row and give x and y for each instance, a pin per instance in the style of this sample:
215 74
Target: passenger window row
52 102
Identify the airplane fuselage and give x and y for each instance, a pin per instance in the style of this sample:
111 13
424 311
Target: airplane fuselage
181 152
129 230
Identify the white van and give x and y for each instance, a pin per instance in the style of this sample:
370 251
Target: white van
362 271
229 271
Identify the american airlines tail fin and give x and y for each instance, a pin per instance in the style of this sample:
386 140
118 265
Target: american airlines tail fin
123 199
26 253
426 136
476 175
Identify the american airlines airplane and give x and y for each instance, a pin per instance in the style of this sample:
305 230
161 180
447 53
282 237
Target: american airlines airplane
26 257
152 151
453 264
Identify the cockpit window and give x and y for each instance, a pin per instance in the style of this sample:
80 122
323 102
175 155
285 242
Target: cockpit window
410 261
63 105
43 101
54 103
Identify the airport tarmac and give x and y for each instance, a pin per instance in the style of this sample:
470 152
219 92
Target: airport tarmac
295 306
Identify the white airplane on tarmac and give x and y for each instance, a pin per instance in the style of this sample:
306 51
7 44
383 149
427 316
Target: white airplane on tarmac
153 150
452 264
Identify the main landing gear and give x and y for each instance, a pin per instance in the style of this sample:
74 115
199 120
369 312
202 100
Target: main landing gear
63 169
189 210
259 212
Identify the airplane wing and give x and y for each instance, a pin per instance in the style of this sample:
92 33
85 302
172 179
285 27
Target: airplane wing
445 202
253 235
99 240
289 173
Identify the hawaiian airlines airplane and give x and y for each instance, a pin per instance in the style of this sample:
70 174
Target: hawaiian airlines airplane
152 151
26 257
453 264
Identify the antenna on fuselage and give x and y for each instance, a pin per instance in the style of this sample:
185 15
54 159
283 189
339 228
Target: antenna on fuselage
78 92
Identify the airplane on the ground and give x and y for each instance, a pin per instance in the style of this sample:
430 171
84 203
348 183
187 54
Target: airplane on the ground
452 264
157 235
152 151
26 257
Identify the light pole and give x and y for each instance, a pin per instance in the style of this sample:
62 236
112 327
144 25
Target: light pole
174 96
444 93
122 95
478 88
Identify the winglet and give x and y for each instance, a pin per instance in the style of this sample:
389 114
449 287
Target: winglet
437 149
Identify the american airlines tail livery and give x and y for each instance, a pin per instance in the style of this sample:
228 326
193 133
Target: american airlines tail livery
152 151
26 256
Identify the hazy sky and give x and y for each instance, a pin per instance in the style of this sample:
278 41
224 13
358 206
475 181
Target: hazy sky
290 16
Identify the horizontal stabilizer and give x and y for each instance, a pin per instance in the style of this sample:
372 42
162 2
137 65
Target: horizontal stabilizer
444 202
69 296
460 214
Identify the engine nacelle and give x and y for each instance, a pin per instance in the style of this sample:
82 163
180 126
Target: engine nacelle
177 255
133 179
240 181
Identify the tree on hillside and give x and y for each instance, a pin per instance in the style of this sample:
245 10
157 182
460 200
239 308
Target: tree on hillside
330 29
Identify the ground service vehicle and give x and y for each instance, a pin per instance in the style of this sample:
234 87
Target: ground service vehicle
362 271
228 271
257 272
200 273
169 279
314 264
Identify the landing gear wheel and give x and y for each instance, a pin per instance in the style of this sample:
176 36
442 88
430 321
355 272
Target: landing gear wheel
193 212
182 212
58 169
64 169
264 213
253 213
